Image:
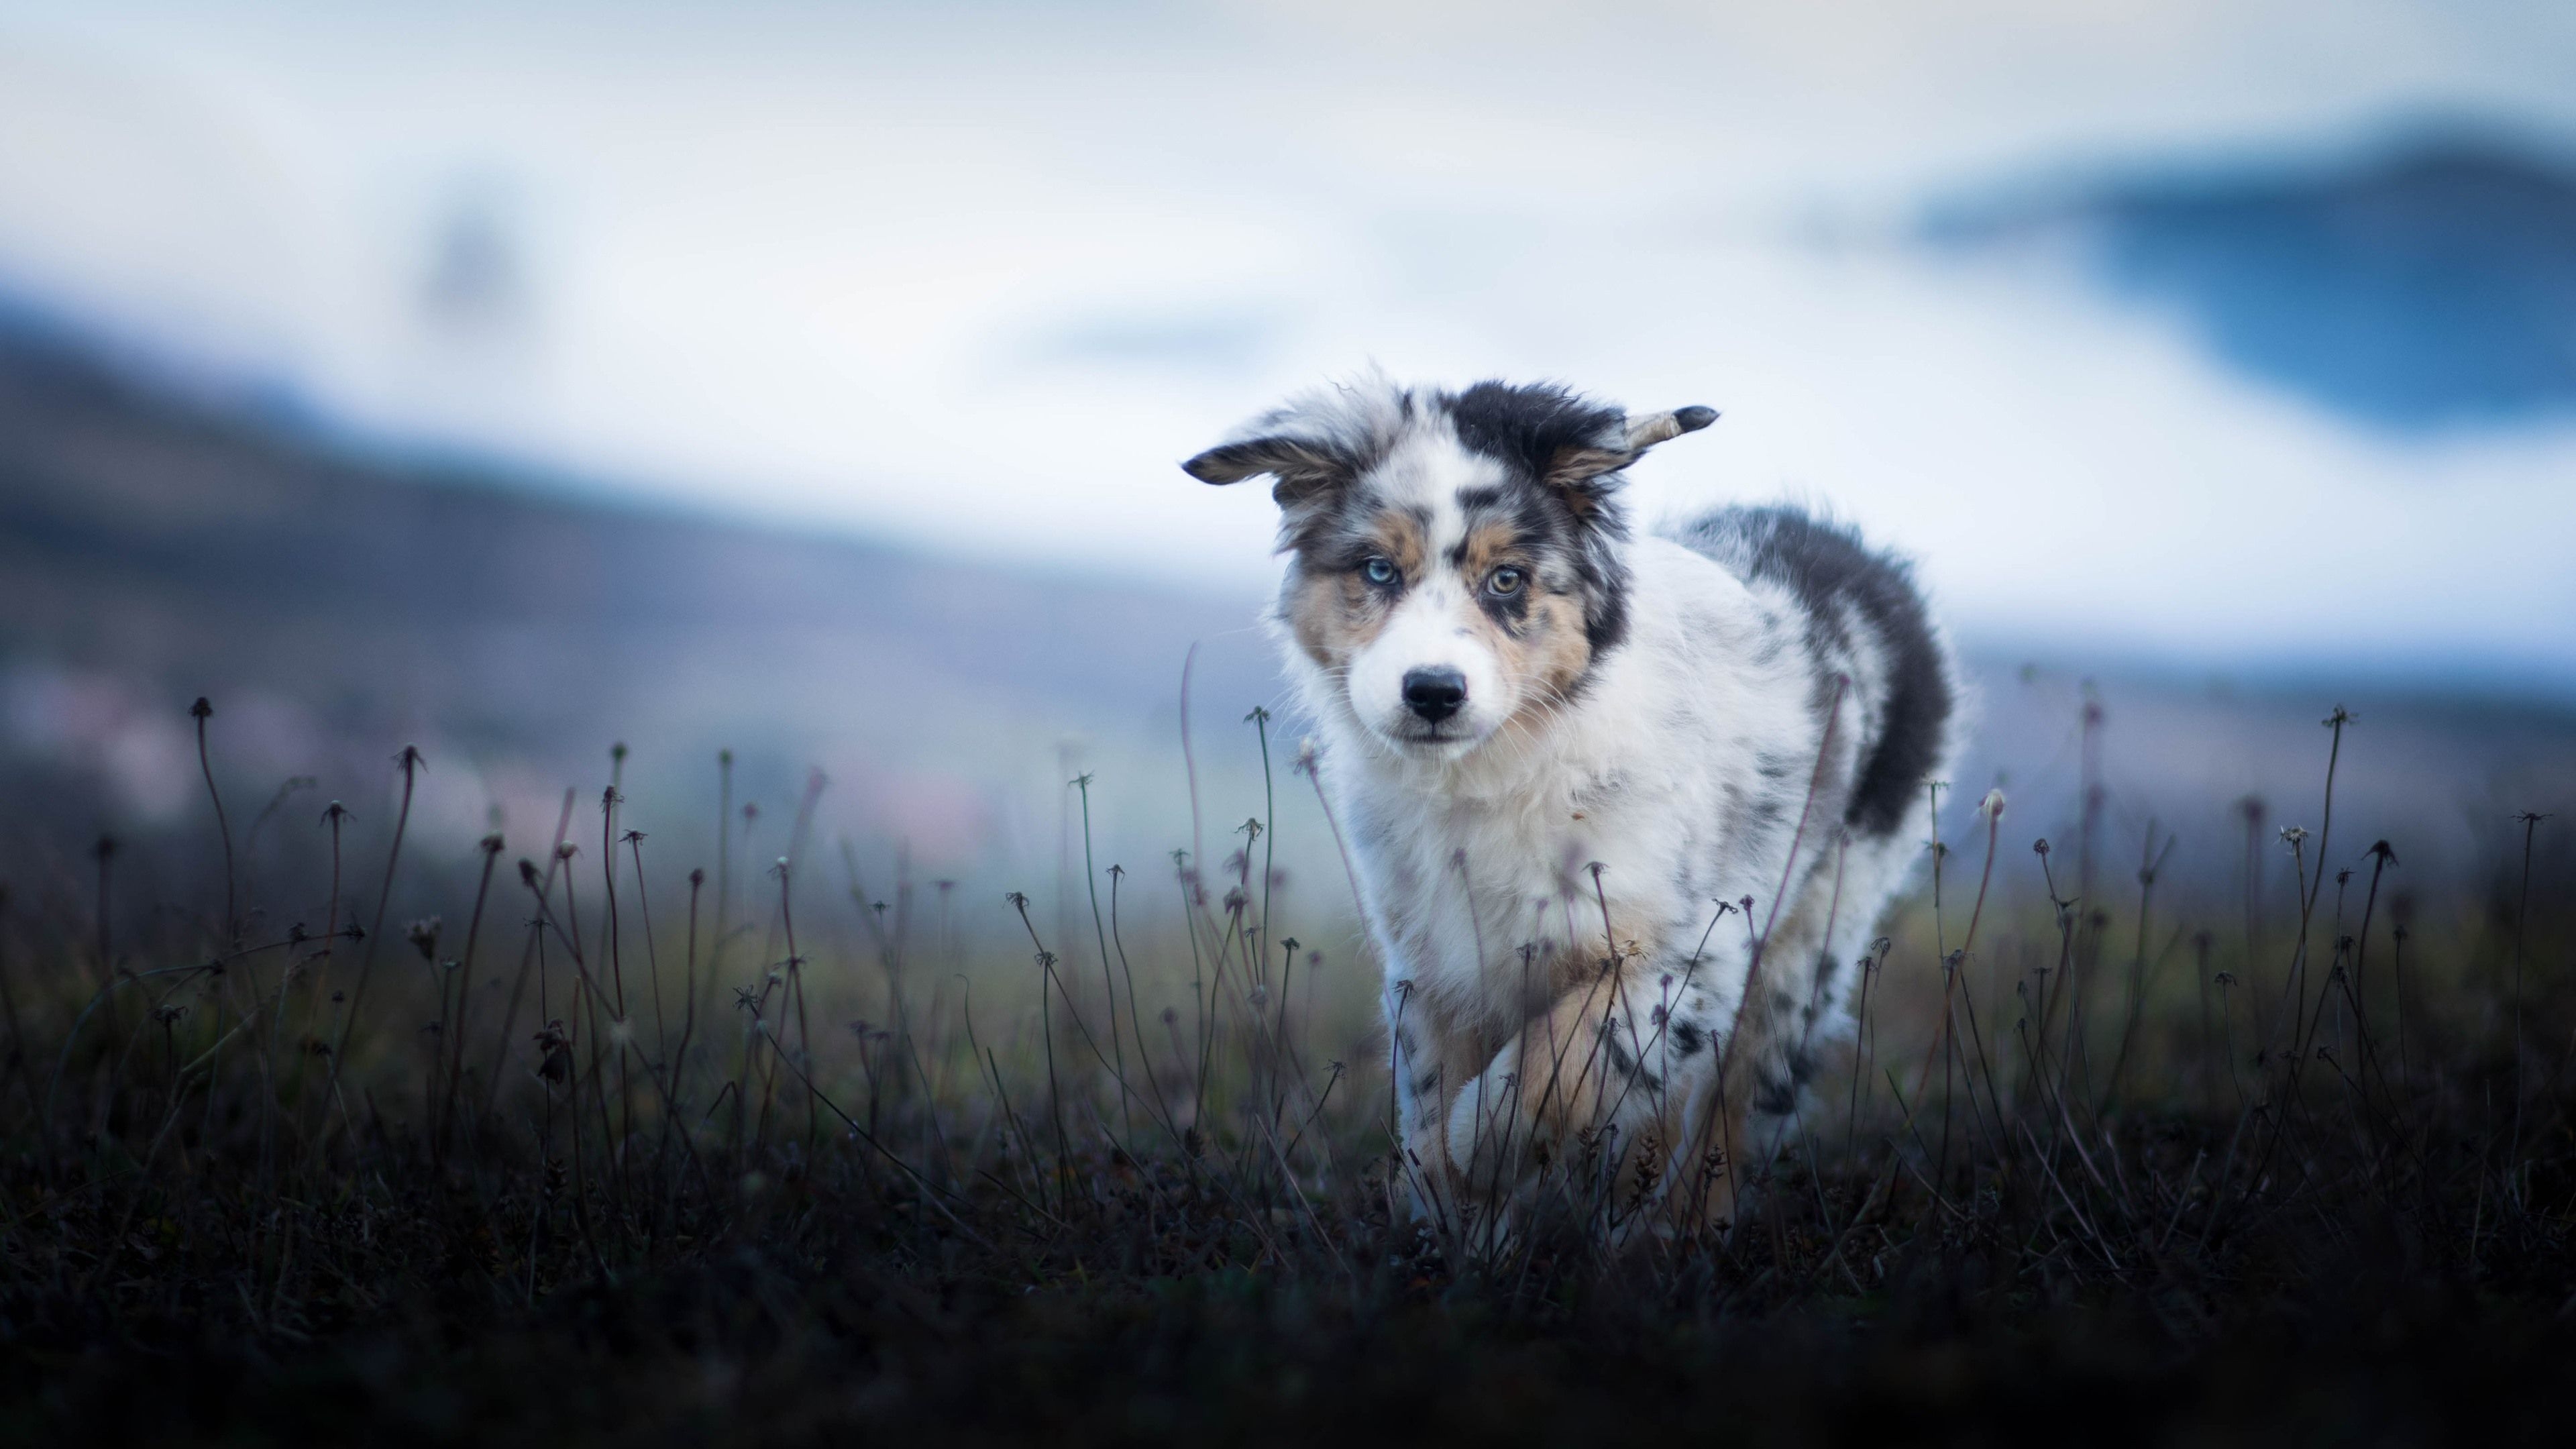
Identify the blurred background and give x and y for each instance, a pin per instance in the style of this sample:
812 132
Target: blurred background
807 381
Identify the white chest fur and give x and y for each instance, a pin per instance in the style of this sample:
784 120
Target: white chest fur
1479 871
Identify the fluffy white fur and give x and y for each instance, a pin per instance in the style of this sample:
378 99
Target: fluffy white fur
1570 892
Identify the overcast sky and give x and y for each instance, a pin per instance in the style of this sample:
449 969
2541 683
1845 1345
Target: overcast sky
977 275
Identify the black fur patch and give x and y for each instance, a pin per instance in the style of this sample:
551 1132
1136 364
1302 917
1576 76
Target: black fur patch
1776 1094
1530 424
1527 429
1619 1057
1688 1039
1821 995
1624 1064
1830 571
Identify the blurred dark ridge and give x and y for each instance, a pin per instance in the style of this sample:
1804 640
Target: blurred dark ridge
2430 284
154 547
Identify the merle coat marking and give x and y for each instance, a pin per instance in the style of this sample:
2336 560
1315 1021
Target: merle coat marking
1557 748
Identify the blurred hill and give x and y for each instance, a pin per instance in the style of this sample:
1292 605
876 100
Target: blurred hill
2426 283
153 549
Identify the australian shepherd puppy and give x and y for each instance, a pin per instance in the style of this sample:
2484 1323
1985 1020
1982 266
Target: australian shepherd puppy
1624 810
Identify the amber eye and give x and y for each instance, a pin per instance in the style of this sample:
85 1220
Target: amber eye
1377 571
1504 580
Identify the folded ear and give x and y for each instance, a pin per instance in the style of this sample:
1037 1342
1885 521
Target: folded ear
1302 466
1281 457
1576 465
1316 443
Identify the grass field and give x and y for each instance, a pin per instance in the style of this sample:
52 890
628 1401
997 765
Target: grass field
636 1138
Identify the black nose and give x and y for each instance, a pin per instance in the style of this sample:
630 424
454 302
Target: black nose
1435 694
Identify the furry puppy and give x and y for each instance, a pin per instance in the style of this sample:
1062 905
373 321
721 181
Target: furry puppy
1561 754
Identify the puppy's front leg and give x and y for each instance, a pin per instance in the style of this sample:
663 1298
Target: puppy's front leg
1431 1058
1593 1094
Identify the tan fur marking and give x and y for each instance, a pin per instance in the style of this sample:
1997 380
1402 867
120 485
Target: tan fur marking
1574 467
1336 615
1490 545
1550 654
1399 537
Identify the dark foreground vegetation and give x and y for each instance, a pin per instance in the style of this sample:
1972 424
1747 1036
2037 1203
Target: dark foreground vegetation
626 1145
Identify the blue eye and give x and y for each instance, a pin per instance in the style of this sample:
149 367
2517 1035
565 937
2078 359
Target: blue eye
1378 571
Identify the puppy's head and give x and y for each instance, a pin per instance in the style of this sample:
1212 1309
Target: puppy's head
1456 558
